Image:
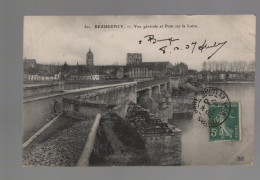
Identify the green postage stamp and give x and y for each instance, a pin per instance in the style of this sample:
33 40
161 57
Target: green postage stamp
230 128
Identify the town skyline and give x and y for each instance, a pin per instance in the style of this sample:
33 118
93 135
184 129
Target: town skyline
55 40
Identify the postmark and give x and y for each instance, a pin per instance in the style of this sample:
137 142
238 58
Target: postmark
204 99
230 128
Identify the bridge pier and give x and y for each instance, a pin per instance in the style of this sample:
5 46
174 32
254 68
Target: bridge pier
148 92
156 91
168 86
170 107
163 87
134 92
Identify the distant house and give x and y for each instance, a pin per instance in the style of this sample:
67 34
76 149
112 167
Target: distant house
85 77
180 69
250 76
160 69
149 70
88 77
108 70
79 76
222 76
209 77
41 76
241 76
29 63
29 77
57 76
134 58
232 76
175 82
33 77
102 76
140 71
95 77
199 76
120 73
215 76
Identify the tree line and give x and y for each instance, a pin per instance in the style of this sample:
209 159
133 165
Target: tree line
236 66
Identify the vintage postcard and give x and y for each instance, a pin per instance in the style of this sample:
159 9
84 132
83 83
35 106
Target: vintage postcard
138 90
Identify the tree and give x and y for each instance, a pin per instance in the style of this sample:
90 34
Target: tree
242 66
251 66
65 67
236 66
204 66
213 65
217 65
209 65
224 65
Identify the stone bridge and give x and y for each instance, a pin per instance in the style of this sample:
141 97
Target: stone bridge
85 103
40 109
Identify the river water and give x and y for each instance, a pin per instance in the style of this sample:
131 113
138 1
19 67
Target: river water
196 147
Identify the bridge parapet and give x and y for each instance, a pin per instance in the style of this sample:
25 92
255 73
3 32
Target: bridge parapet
149 84
88 105
30 90
153 88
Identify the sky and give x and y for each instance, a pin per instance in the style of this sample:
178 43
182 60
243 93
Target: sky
59 39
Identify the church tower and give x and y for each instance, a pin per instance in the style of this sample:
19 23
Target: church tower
90 59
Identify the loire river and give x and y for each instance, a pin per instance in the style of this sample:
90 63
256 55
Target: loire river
196 147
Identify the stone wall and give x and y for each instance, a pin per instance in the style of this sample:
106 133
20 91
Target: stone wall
162 141
164 149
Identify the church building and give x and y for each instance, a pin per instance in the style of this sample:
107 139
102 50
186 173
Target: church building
90 59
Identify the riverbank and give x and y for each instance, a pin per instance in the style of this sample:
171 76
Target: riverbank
230 82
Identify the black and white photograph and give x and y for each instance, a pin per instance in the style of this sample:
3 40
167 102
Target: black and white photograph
146 90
